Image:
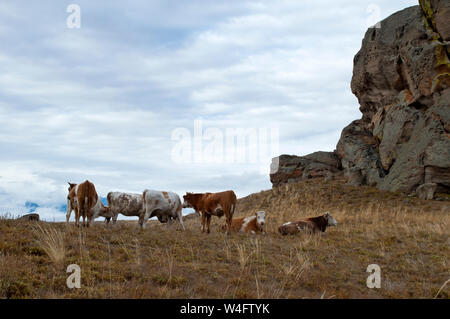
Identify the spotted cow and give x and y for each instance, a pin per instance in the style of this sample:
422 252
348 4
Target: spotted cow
126 204
166 206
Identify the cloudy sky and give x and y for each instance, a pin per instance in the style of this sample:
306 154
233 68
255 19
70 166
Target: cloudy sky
145 93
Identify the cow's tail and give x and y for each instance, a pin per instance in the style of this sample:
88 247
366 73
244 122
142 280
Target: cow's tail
86 206
143 200
233 206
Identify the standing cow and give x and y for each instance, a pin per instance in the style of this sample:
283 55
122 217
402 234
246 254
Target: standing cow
209 204
71 200
166 206
126 204
89 204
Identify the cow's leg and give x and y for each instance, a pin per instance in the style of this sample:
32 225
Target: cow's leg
77 218
84 220
115 218
203 222
146 217
89 221
208 222
141 221
180 216
69 210
229 219
78 214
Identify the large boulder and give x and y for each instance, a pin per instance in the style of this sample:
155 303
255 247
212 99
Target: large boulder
401 78
291 168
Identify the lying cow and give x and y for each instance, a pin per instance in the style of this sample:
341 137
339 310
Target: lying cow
310 225
89 204
126 204
166 206
212 204
251 224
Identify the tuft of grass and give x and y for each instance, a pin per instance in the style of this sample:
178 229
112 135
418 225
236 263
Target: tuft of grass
51 241
440 289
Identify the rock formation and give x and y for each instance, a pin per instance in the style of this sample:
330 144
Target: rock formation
30 217
290 168
401 77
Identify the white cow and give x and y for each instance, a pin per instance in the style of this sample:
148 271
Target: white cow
164 205
126 204
71 200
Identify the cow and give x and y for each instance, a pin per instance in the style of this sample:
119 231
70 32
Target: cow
71 200
209 204
166 206
126 204
309 225
89 204
251 224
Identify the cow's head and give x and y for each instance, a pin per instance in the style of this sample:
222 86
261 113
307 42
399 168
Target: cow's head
187 200
106 212
71 186
260 219
330 219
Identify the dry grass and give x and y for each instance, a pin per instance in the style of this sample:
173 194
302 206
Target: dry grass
407 237
51 240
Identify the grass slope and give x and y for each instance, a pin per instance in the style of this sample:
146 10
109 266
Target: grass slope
407 237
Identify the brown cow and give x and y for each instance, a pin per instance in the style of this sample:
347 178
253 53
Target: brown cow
89 204
209 204
72 202
310 225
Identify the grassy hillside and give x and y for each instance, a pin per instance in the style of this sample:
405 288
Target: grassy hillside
407 237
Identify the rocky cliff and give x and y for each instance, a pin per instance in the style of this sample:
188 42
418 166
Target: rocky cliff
401 77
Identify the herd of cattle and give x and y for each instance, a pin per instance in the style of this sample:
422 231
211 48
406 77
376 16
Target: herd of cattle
167 207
